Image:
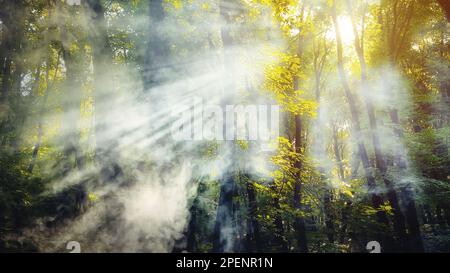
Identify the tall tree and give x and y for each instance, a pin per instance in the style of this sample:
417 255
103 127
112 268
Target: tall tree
399 219
12 17
156 59
224 232
376 199
102 58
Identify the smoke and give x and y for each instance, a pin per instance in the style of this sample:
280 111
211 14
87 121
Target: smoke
332 130
153 214
131 182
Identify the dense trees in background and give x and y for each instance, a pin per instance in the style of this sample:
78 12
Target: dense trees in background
363 152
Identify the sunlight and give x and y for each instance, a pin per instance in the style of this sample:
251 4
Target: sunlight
345 26
224 126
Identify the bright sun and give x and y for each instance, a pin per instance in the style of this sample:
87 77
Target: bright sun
345 27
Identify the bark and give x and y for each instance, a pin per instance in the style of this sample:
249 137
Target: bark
13 24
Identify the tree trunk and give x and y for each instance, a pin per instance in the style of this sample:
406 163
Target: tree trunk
329 218
241 240
6 84
440 218
337 154
192 229
318 64
376 199
13 20
223 230
415 238
447 215
253 227
346 210
299 223
71 103
280 239
299 219
103 79
156 59
399 219
37 146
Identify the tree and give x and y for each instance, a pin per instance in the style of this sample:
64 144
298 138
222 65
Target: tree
224 231
362 151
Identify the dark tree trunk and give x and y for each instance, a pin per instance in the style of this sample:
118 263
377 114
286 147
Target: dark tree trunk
399 219
192 229
299 220
376 199
253 225
192 243
299 223
223 229
6 81
11 17
280 239
156 60
415 238
240 242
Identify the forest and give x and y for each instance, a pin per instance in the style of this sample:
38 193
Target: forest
143 126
